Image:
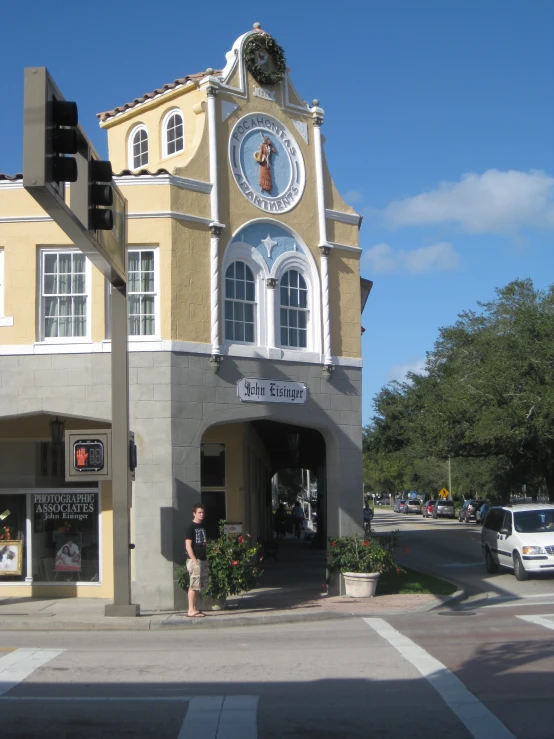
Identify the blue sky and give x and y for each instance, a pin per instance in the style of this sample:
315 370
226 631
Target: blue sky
439 129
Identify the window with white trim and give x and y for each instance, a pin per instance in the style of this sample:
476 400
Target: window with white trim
240 303
1 282
138 148
293 310
174 137
64 295
143 292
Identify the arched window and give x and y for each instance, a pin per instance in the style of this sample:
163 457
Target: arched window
294 310
240 305
138 150
174 139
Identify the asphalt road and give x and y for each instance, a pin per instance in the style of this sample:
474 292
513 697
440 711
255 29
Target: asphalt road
481 669
452 550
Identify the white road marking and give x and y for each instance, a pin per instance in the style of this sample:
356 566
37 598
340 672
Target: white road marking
239 718
221 717
91 699
515 600
202 718
18 665
546 620
478 720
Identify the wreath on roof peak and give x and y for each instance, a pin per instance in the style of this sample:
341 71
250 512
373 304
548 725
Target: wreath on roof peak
263 42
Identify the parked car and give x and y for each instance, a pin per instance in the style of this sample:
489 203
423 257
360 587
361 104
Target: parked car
469 509
428 507
481 513
412 506
444 509
399 507
521 538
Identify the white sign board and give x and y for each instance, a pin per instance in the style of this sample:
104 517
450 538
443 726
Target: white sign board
233 528
252 390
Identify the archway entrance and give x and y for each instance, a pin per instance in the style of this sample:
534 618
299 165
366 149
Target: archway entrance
239 462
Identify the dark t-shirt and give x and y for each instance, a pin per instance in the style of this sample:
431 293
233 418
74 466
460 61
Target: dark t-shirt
197 533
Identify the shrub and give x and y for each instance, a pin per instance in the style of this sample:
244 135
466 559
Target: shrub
234 566
357 553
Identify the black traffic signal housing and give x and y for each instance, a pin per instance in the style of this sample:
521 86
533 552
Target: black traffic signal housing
62 140
100 195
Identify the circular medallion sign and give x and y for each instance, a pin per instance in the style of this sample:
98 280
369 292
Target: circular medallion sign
266 163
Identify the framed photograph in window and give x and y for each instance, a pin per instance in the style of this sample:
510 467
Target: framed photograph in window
11 557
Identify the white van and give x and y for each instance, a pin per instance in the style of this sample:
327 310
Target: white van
519 537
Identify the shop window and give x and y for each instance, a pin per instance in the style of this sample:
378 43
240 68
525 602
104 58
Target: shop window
66 544
13 545
212 465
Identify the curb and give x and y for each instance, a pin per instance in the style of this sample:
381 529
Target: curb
179 623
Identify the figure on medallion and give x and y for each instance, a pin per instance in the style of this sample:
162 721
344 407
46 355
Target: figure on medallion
263 157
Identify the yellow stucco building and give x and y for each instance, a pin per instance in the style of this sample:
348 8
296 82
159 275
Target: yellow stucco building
245 300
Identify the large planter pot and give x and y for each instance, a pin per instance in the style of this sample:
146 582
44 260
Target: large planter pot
212 604
361 584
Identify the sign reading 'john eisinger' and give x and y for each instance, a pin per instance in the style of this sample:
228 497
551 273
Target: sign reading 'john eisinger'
271 391
266 163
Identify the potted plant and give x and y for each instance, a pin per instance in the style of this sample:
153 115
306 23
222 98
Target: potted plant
234 568
361 560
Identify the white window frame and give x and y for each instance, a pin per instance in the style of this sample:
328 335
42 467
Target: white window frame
88 313
1 282
297 261
130 154
155 336
165 142
238 252
297 309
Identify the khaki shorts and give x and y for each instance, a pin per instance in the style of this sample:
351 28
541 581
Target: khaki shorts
198 574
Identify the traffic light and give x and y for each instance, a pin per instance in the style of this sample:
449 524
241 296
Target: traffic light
100 195
51 134
62 139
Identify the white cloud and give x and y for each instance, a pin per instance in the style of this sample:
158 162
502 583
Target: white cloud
353 196
492 202
399 371
439 257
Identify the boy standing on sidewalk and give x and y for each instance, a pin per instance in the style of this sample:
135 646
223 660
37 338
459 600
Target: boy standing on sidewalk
197 563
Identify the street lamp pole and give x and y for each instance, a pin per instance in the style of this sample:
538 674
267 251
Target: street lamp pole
449 480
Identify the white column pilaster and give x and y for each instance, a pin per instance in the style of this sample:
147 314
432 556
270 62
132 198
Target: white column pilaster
271 284
216 227
211 92
317 114
327 361
215 230
324 247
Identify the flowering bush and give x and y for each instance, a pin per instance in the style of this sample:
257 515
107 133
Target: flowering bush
357 553
233 563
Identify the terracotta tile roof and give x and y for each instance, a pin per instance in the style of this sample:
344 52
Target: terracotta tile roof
11 177
149 95
138 173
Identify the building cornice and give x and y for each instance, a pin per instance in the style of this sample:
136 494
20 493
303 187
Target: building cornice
167 345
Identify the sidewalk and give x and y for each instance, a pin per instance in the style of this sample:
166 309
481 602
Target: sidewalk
292 590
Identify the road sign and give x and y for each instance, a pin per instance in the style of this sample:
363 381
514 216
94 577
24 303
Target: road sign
444 493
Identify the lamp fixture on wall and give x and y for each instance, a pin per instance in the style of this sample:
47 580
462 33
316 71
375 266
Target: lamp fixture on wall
57 427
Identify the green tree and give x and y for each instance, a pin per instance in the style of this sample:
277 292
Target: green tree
487 392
